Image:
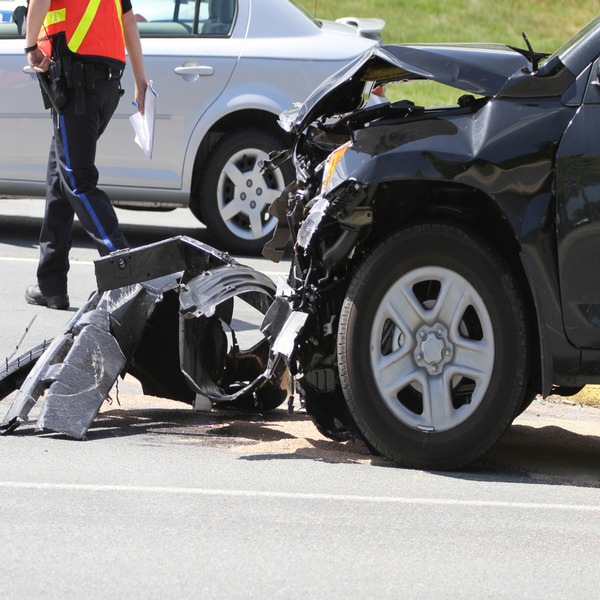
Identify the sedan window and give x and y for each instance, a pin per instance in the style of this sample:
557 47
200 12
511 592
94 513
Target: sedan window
181 18
12 18
9 30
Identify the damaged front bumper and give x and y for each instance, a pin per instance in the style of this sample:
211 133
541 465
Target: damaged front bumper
165 314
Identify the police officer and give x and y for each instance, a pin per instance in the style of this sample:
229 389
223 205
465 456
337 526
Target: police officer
80 45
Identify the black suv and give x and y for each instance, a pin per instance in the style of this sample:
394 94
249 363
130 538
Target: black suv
458 247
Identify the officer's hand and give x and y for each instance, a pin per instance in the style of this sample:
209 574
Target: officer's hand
140 95
38 61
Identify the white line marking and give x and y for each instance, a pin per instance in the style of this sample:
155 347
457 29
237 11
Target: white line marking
90 262
36 260
85 487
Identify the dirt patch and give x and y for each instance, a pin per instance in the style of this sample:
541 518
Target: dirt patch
556 439
588 396
274 433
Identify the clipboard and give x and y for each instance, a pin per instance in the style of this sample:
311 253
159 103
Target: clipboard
143 125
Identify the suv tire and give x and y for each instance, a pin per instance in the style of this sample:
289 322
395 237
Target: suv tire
432 347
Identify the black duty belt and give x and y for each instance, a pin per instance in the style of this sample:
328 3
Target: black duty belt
83 76
106 72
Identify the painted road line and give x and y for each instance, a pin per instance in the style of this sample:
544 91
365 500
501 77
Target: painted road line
393 500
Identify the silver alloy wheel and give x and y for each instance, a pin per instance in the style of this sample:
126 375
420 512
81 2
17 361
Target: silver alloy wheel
244 194
432 349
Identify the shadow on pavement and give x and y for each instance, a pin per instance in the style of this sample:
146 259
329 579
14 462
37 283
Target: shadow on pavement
24 232
554 444
542 453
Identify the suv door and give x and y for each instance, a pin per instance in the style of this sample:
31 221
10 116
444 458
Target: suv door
578 210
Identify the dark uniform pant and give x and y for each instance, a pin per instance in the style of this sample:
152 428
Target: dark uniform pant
71 181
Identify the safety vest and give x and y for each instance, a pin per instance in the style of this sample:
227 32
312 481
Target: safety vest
92 28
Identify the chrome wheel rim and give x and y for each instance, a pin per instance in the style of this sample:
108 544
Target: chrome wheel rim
432 349
244 195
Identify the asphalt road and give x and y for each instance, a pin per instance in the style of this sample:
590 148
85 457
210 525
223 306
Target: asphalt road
165 502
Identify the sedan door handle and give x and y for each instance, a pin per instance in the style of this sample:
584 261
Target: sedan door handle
199 71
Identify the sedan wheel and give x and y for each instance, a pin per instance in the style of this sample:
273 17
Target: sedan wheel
236 194
432 347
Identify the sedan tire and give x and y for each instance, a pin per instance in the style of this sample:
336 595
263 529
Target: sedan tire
236 194
432 347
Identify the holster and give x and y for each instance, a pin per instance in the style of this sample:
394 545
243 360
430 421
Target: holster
53 83
67 78
54 94
58 85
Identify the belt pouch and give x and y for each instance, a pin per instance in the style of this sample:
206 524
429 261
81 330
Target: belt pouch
67 64
90 76
45 88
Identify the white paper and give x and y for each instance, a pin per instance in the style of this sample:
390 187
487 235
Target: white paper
143 125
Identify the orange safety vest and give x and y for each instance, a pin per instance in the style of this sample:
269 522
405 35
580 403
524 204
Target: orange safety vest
92 29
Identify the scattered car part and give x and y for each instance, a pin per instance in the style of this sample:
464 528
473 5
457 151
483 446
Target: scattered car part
151 303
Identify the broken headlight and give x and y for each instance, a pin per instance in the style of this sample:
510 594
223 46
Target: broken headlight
319 205
316 214
330 165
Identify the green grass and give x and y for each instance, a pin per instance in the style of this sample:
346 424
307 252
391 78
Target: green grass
548 24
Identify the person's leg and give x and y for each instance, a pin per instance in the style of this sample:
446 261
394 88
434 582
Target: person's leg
76 155
55 236
72 180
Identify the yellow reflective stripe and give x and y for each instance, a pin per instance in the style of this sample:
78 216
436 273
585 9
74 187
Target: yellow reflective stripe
119 8
54 16
84 25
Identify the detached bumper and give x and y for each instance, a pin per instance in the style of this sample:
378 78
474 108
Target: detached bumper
165 314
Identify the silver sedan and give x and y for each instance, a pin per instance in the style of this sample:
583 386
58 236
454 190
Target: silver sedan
223 70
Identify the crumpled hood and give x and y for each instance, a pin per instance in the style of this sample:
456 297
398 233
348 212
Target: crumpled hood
482 69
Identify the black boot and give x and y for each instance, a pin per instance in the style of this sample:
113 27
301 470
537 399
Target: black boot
34 295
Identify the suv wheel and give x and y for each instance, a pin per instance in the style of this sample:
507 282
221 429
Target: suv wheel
236 195
432 347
